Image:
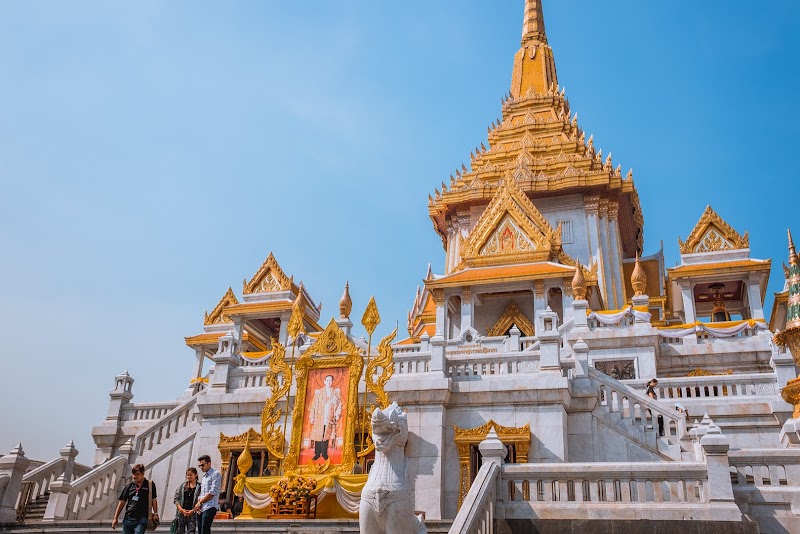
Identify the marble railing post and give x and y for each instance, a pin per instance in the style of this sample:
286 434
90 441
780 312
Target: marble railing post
424 342
549 342
61 487
579 308
641 301
715 447
513 339
224 360
12 469
581 351
493 451
437 354
105 435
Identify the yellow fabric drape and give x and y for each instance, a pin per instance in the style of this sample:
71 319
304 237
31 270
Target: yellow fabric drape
344 488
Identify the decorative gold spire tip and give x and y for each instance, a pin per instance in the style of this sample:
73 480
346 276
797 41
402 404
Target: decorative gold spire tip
346 303
793 258
638 279
371 318
579 284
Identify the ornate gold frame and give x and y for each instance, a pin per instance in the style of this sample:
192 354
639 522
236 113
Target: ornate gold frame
465 437
332 349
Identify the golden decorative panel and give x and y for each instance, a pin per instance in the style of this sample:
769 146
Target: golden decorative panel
269 277
512 316
216 316
228 444
712 234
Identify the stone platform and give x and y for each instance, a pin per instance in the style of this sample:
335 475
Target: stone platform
270 526
611 526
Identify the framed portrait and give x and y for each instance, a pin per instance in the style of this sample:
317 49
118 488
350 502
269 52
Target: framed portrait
324 415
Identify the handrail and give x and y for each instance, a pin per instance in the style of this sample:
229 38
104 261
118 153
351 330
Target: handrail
476 515
95 488
694 387
650 404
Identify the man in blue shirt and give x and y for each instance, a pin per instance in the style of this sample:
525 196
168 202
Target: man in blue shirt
208 502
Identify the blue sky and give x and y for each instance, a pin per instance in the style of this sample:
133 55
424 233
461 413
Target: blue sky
153 154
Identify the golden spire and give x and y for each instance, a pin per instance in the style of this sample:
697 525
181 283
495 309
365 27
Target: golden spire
638 279
793 259
534 66
346 303
579 284
533 25
296 319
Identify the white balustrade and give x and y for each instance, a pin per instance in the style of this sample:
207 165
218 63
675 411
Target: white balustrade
765 467
96 491
640 410
147 412
411 363
701 387
468 367
592 484
161 430
36 483
406 349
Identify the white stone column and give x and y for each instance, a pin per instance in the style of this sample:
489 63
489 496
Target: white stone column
105 434
513 339
467 318
346 325
61 487
426 455
715 446
579 308
614 255
539 303
687 297
438 360
224 360
12 469
566 300
754 297
641 301
283 334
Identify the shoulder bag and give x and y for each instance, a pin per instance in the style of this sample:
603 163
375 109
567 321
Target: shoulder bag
152 522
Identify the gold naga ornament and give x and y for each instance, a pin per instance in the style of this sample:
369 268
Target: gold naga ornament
370 320
273 436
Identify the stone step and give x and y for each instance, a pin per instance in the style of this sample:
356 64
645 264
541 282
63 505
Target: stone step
259 526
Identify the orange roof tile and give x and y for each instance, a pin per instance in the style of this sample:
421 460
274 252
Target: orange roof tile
504 273
720 266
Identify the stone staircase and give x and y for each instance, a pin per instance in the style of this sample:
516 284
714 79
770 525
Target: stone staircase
274 526
634 417
35 510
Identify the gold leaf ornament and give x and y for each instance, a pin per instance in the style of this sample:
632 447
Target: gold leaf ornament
273 437
371 318
296 320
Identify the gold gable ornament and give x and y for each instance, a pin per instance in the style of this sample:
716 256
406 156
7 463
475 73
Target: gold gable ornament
713 234
216 316
269 278
512 230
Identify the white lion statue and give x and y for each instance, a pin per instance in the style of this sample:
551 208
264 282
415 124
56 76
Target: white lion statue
387 500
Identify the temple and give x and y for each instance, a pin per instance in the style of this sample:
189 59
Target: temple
537 337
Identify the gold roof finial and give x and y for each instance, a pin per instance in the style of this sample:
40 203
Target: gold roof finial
579 284
638 279
533 25
346 303
793 259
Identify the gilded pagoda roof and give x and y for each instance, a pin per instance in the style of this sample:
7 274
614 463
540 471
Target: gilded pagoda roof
539 144
717 267
211 338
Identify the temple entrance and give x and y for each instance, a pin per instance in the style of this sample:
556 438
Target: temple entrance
517 440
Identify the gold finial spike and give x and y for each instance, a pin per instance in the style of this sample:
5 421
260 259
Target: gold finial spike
579 284
296 319
638 279
346 303
793 259
533 24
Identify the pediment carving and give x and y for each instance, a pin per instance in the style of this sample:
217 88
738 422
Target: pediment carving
216 316
712 234
512 316
512 230
269 278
